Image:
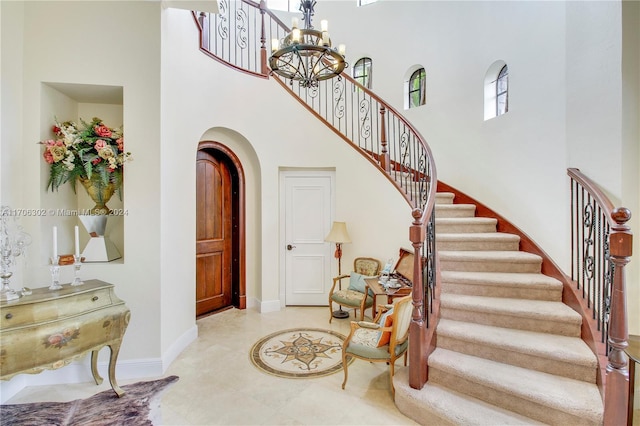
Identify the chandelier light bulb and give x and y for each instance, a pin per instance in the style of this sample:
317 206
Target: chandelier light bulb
295 35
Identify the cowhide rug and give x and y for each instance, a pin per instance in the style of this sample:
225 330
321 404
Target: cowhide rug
138 406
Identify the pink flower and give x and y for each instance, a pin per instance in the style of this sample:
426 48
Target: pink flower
48 157
96 161
56 130
120 143
102 131
100 144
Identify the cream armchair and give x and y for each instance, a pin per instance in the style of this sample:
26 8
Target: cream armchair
384 340
356 296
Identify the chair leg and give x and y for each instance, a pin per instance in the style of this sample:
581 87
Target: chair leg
330 312
391 372
345 368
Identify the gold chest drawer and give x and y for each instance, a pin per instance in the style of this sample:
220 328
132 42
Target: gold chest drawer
49 329
55 308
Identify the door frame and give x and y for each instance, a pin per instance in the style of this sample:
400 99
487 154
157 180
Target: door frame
311 172
239 247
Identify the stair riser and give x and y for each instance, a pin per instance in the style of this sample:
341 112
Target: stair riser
525 360
505 399
488 265
477 245
444 198
465 227
497 319
553 295
442 212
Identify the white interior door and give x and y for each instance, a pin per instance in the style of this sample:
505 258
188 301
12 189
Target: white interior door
307 216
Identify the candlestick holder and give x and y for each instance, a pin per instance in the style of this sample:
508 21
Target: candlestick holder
77 264
13 243
54 268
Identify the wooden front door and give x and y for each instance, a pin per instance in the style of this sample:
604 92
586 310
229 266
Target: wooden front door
213 233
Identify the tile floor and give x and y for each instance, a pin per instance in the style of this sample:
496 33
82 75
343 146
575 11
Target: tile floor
220 386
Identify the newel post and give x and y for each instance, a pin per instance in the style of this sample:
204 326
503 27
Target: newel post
417 345
384 151
616 395
263 40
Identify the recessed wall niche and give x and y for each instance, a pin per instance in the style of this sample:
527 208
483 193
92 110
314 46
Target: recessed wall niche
73 102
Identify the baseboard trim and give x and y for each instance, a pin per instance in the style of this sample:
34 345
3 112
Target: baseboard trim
269 306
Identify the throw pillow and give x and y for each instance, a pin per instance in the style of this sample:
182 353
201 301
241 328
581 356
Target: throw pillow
386 320
357 283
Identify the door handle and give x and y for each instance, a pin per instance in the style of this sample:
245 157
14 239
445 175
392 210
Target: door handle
290 247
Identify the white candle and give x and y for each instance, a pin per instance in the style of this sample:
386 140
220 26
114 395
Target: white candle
294 23
275 44
324 25
77 241
342 49
55 243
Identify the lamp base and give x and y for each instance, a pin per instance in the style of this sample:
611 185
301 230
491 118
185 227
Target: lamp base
340 314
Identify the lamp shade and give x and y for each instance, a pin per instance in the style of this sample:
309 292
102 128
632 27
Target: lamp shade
338 233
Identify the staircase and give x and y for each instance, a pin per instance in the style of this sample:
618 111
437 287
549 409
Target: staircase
508 350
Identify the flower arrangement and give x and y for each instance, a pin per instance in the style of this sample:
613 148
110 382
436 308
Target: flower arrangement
92 153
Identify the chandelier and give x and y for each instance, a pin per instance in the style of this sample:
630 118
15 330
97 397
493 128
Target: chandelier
305 54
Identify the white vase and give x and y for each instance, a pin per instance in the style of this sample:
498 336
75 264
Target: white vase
99 248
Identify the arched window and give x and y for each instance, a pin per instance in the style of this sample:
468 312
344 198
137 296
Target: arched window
362 72
417 90
502 91
496 90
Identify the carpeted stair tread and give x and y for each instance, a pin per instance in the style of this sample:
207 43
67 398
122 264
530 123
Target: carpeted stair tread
523 314
438 405
489 261
465 224
502 284
455 210
562 399
551 353
490 241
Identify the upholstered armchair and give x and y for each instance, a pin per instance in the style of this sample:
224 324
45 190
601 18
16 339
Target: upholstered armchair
384 340
356 295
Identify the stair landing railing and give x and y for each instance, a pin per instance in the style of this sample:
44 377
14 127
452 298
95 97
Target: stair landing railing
238 37
601 243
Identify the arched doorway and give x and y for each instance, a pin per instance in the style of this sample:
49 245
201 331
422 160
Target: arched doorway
220 229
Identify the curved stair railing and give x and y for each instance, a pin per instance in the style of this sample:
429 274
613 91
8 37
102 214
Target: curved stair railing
238 38
601 244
